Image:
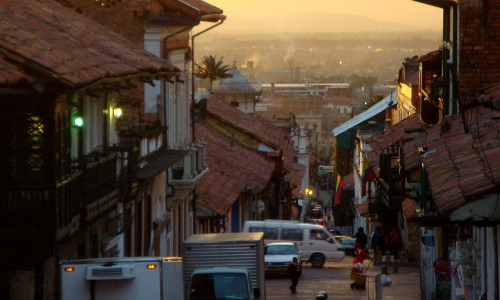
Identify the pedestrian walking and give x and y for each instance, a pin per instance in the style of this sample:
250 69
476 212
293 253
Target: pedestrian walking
361 238
395 242
294 275
378 240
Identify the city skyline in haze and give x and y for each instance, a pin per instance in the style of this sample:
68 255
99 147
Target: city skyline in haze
298 16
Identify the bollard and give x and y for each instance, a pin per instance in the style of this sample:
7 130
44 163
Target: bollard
378 287
388 258
383 270
378 257
395 266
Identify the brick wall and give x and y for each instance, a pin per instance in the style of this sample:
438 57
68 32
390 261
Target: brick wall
126 17
479 56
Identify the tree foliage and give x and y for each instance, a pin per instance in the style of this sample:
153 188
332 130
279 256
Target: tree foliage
212 69
373 100
360 81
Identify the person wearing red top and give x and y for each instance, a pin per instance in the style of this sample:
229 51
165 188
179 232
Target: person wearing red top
359 255
395 242
357 263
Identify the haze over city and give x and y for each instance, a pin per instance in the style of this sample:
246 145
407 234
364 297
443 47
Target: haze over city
321 39
271 16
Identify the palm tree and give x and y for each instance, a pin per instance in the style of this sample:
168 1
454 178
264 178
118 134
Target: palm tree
212 69
374 100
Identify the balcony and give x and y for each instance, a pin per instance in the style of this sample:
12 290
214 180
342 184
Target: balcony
27 209
192 168
100 190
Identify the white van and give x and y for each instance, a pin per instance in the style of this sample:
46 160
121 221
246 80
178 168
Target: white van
314 241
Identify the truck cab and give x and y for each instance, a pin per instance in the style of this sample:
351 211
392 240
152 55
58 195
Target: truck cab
222 283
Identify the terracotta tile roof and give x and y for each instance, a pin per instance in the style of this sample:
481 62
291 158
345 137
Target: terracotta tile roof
204 7
461 166
192 8
407 132
232 168
68 47
10 74
464 166
339 100
435 55
259 128
490 96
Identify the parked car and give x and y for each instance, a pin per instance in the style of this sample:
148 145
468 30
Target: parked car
348 245
320 222
316 212
314 241
278 256
339 238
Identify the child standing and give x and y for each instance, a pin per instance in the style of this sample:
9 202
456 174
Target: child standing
294 275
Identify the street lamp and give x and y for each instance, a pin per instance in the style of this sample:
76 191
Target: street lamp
117 112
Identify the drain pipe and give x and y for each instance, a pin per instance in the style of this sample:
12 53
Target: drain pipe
219 19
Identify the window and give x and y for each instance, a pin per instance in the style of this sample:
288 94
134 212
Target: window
280 249
318 234
93 129
292 234
219 286
269 233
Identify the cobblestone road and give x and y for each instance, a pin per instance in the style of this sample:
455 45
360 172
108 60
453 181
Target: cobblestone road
334 279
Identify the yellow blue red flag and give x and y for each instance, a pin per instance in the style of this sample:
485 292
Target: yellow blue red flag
338 189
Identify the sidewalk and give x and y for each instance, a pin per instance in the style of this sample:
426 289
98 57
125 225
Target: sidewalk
405 283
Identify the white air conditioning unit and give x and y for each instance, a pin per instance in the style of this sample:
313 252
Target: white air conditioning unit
115 272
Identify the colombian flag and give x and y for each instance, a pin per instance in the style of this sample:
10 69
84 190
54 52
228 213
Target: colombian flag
368 175
338 190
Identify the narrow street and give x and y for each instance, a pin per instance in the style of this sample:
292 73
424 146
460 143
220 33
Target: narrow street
334 279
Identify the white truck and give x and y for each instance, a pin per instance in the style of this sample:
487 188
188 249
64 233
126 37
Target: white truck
224 266
131 278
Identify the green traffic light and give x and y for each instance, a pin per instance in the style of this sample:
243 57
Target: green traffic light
78 121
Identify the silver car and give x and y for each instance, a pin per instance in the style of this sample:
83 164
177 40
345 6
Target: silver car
278 256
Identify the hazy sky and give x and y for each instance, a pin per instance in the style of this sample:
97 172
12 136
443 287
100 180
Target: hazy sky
326 15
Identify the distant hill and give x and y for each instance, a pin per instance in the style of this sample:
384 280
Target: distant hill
320 23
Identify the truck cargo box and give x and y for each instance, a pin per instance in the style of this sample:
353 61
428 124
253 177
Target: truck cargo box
131 278
229 250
